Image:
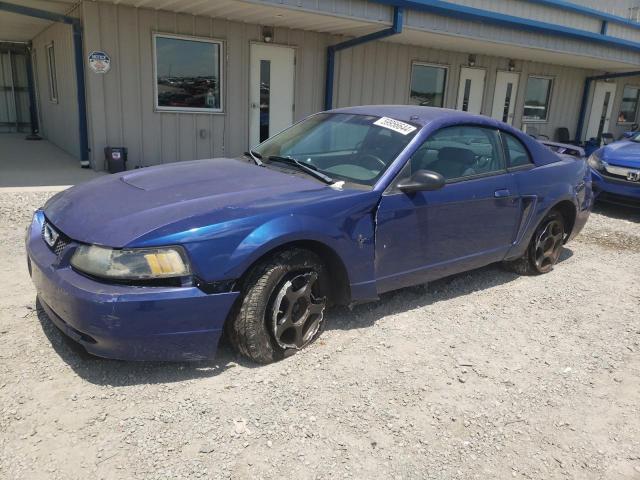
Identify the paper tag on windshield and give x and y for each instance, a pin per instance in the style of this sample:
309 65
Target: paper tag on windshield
395 125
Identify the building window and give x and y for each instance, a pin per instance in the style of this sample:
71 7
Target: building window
629 106
188 73
51 71
537 98
428 85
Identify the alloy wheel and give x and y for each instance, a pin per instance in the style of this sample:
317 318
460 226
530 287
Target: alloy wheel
297 311
548 245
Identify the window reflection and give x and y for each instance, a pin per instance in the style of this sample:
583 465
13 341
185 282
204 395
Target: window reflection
629 106
188 73
428 85
537 98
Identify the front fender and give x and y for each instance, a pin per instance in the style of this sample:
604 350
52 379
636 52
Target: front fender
353 243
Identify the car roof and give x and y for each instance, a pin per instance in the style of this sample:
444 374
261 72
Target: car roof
411 113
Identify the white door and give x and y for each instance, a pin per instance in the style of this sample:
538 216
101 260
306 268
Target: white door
504 97
270 90
601 108
471 89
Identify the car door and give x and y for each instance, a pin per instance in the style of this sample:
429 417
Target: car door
470 222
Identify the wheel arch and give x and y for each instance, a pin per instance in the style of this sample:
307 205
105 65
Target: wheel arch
340 291
569 212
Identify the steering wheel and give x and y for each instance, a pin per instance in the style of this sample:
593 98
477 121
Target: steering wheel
369 156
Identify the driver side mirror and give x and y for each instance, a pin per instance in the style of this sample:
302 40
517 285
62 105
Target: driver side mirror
422 181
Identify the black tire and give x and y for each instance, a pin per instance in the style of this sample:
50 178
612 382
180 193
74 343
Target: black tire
544 248
263 334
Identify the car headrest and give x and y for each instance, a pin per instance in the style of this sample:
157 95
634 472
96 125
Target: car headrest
458 156
453 161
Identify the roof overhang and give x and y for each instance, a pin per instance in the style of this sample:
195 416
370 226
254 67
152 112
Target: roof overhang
16 27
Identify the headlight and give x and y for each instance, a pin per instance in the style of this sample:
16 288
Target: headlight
595 161
131 264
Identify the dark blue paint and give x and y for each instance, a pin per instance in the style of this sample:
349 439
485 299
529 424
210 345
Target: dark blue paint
623 153
228 213
396 27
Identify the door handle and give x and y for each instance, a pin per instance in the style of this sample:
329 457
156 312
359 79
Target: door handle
502 193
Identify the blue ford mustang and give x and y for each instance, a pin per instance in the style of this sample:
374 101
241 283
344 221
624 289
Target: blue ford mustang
155 264
616 171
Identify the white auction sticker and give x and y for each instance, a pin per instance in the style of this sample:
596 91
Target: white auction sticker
395 125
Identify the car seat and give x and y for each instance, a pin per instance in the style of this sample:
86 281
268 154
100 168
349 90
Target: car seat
453 162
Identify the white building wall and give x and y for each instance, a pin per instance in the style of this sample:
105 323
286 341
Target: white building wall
380 73
121 102
58 120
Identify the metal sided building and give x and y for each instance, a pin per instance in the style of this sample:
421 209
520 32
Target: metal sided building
175 80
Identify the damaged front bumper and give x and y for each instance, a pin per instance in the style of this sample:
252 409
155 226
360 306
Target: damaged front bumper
125 322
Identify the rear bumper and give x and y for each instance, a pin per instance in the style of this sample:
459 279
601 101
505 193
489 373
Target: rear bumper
616 191
124 322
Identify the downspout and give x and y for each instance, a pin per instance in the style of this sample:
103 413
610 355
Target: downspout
81 95
396 28
585 95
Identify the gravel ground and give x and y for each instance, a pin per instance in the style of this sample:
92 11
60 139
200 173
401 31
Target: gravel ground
484 375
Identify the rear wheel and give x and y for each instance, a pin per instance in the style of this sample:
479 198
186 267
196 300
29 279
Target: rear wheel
544 249
282 306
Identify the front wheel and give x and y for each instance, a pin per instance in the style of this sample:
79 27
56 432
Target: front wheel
544 249
282 306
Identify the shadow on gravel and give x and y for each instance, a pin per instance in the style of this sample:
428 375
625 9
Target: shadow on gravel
116 373
618 212
399 301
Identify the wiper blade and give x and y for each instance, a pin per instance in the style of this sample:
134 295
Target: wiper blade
310 169
255 156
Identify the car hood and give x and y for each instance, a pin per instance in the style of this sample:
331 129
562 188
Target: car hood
624 153
116 210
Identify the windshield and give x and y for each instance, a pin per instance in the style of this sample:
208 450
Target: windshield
636 138
348 147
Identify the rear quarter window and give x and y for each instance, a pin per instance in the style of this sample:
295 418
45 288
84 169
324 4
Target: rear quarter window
517 153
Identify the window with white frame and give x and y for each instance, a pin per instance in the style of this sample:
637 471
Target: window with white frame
188 73
629 105
537 98
51 73
428 85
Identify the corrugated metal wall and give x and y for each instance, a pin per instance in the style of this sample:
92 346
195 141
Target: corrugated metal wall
440 24
121 103
380 73
59 120
374 11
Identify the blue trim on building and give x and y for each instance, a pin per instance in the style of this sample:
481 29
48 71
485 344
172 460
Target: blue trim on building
37 13
585 95
462 12
81 94
79 63
590 12
398 20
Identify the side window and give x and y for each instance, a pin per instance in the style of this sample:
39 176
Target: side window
518 154
460 152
